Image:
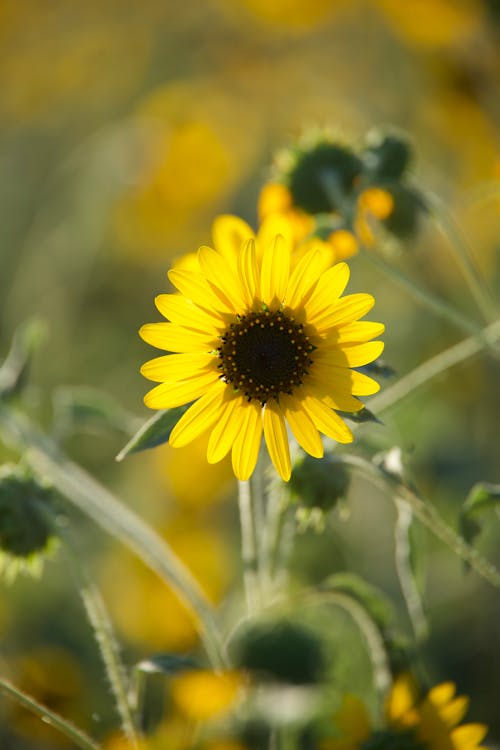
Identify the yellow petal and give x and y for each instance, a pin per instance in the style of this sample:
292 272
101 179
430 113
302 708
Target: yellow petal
348 309
304 277
168 395
353 333
225 431
454 711
275 271
220 276
362 385
229 233
327 291
273 225
195 287
327 421
355 355
468 736
277 439
401 699
182 311
177 366
442 693
199 417
335 391
304 431
246 446
174 338
249 271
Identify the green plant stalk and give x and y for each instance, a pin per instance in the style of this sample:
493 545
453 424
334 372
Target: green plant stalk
382 678
249 551
99 620
427 515
81 489
75 735
439 306
435 366
403 569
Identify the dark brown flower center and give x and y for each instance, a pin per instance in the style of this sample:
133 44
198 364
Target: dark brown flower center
264 354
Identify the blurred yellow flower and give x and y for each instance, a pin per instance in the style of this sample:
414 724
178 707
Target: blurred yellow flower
194 154
52 62
433 23
433 722
145 610
295 14
201 695
260 340
373 203
194 489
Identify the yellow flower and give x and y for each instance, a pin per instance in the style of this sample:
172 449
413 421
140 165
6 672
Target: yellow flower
410 724
201 695
261 339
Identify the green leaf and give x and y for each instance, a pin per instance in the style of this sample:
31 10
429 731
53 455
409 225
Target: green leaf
482 497
154 432
14 368
363 415
374 601
78 408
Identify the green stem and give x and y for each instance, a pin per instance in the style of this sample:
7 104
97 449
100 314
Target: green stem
75 735
99 619
427 515
435 366
249 553
81 489
463 256
436 304
367 627
404 570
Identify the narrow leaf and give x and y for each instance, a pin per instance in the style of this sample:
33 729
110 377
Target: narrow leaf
154 432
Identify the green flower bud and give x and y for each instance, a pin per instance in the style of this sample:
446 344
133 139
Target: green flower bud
319 483
280 651
322 176
387 156
26 519
408 206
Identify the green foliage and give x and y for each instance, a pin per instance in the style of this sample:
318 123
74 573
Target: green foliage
15 367
482 497
155 431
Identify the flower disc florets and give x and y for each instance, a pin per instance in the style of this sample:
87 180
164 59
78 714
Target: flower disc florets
264 354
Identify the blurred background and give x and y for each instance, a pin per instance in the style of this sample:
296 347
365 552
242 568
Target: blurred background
124 129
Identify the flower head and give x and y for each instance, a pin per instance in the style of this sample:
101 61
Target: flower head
432 723
261 337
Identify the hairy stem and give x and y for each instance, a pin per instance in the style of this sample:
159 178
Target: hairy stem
75 735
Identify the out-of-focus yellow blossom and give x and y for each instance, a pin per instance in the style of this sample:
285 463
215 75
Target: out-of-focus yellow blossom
52 677
433 23
118 741
207 484
276 199
52 61
344 243
294 14
433 722
145 610
201 695
373 203
194 155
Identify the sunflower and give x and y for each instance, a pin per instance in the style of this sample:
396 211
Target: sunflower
259 336
432 723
